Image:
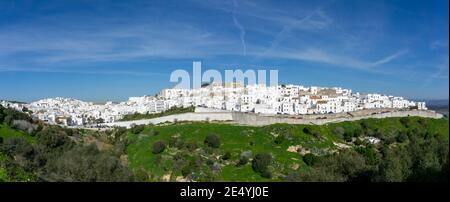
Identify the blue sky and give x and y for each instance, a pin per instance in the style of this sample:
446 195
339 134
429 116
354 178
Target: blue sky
110 50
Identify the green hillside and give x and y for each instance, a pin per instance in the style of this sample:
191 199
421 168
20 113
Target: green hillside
409 149
185 149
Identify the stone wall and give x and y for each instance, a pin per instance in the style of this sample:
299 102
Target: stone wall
262 120
191 116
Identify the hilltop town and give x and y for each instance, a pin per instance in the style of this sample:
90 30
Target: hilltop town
258 99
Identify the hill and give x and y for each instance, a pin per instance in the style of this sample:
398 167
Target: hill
297 152
390 149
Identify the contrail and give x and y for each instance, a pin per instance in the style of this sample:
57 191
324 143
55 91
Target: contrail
241 28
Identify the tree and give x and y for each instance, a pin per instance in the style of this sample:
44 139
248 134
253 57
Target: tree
212 141
158 147
261 162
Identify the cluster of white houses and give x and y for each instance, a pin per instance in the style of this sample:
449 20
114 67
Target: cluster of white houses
260 99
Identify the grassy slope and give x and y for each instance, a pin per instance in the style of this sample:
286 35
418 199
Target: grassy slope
21 175
234 140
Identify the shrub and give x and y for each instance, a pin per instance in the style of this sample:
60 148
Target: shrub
348 137
187 169
226 156
52 138
244 157
339 131
404 121
309 159
212 141
158 147
23 125
266 174
136 129
191 146
280 139
261 161
402 137
306 130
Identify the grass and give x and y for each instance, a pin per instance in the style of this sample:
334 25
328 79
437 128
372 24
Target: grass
236 139
20 175
8 132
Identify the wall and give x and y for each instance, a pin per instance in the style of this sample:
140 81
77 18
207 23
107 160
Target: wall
261 120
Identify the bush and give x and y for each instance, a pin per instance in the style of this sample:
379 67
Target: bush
191 146
266 174
136 129
158 147
261 161
212 141
52 138
309 159
404 121
306 130
23 125
188 169
244 157
280 139
402 137
348 137
226 156
339 131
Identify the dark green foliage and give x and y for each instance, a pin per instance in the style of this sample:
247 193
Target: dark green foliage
52 138
226 156
370 154
266 174
402 137
136 129
310 159
8 115
339 132
306 130
348 137
17 147
158 147
191 146
244 158
86 164
404 121
261 161
279 139
346 166
212 141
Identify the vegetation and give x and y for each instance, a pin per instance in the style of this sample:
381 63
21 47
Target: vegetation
171 111
53 153
158 147
410 149
282 152
212 141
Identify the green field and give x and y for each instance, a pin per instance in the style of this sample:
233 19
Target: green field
236 139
